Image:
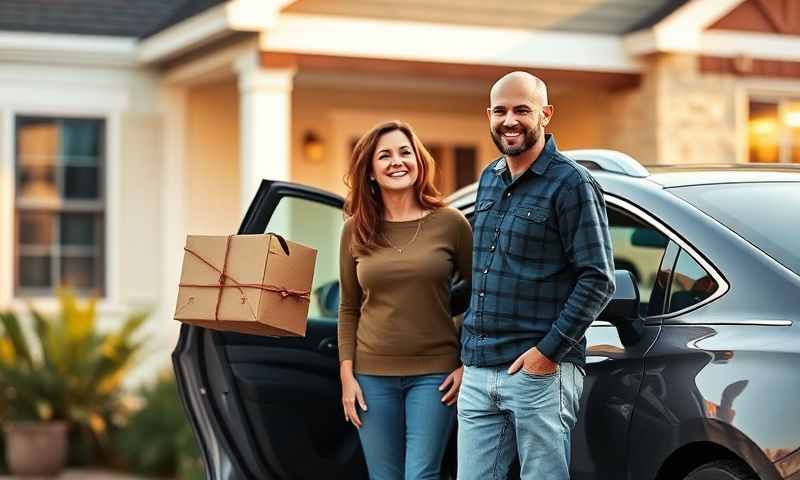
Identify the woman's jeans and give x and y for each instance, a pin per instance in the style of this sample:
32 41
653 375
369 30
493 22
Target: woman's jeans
406 426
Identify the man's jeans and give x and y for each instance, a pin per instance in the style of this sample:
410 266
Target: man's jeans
406 426
501 414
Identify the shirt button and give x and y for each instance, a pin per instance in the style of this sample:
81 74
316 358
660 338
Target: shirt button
497 230
482 294
486 271
508 195
491 248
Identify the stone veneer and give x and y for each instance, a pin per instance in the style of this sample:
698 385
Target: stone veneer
677 116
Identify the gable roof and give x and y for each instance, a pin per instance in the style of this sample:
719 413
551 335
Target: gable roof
144 18
122 18
586 16
655 17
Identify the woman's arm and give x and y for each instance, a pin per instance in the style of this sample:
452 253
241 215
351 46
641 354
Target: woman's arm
461 289
350 298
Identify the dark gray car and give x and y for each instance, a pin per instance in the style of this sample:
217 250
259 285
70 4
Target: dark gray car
692 368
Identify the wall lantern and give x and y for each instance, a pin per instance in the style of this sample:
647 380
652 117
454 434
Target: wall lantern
313 148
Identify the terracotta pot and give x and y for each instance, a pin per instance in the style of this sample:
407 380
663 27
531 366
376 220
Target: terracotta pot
36 448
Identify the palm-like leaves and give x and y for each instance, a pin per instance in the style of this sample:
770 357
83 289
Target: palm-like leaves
70 371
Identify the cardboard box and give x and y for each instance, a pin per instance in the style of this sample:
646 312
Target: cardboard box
257 284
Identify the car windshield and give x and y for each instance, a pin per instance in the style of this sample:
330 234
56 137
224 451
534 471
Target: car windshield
764 214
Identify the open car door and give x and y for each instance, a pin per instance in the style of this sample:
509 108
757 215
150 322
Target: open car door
270 408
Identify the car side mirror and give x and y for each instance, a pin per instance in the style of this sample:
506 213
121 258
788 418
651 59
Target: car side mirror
623 309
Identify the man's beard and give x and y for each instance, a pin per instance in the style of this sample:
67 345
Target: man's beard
530 137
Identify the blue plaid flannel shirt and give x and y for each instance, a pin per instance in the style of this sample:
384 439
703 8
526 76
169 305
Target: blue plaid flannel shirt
543 265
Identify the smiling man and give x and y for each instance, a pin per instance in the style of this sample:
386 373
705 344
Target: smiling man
542 272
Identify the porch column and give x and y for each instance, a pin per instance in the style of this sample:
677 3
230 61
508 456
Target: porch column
265 104
173 211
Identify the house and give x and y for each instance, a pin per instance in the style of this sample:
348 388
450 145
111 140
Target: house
125 124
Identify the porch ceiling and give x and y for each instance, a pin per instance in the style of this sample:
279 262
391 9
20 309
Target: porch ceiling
446 71
590 16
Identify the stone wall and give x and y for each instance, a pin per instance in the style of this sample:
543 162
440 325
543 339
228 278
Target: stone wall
677 116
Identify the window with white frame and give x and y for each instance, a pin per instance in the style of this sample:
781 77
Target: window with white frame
774 130
60 205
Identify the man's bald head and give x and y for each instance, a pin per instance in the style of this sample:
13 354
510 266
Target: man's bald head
518 113
520 83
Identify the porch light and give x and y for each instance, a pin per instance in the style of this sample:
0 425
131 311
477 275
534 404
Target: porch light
313 148
793 118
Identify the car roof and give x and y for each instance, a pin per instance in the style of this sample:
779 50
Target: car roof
684 176
610 167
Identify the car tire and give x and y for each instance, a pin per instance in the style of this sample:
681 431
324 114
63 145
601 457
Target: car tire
722 470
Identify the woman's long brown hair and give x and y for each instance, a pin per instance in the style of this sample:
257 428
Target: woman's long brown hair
364 202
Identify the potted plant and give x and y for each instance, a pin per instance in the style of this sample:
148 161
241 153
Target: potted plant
68 377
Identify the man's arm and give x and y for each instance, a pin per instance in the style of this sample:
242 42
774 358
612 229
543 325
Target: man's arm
583 228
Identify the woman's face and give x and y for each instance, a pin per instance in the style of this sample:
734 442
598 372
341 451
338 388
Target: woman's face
394 164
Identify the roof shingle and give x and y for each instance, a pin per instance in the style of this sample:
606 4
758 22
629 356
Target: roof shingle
124 18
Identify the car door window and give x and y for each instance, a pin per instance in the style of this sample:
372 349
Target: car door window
691 284
318 226
638 248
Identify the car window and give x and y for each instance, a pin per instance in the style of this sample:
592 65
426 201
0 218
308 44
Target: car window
658 296
691 284
638 248
318 226
760 213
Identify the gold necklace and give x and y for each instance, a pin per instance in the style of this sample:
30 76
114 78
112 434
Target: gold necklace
400 249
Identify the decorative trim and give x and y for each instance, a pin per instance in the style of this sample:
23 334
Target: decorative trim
754 323
768 46
253 77
211 67
432 42
749 67
213 24
52 48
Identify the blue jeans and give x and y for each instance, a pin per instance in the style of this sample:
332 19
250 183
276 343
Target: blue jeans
501 414
406 426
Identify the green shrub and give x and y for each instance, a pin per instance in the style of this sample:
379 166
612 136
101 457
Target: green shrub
67 370
158 440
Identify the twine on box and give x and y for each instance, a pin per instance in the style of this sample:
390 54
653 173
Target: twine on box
299 295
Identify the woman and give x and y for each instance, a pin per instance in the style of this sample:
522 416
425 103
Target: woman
398 344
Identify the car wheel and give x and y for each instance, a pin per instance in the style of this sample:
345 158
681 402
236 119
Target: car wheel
722 470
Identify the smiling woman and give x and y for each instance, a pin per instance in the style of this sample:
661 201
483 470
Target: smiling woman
398 343
389 148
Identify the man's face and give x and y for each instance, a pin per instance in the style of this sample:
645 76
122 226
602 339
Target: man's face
516 120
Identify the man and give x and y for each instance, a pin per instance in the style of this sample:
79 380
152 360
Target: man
542 272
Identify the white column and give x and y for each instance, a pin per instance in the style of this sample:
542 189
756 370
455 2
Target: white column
7 187
173 210
265 105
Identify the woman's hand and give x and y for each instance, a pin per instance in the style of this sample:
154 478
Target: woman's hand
453 381
351 394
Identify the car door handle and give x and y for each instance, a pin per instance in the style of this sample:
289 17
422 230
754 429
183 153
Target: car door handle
329 346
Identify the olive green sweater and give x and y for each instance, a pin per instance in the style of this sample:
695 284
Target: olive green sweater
394 312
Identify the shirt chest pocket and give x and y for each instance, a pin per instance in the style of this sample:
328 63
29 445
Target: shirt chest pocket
484 219
529 232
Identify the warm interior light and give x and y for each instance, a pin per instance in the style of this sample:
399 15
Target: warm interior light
763 126
793 118
764 139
